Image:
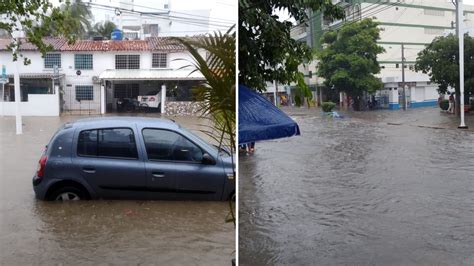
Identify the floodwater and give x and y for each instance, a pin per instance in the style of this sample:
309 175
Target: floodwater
374 188
93 232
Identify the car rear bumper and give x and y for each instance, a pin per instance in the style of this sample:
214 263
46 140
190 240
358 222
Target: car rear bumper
39 187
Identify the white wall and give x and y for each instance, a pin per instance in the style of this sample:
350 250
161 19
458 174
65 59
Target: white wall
37 105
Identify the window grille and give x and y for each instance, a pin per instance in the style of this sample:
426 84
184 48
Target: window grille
50 60
160 60
127 61
84 93
83 61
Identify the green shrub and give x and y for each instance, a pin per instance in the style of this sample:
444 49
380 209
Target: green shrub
327 106
444 104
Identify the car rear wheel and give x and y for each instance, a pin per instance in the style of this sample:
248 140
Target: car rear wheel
67 194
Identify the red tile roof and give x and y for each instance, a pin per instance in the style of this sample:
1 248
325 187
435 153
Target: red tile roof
60 44
57 43
164 44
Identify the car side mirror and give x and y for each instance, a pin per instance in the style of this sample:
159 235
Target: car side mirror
207 159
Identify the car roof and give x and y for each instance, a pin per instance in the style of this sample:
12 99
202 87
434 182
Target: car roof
122 121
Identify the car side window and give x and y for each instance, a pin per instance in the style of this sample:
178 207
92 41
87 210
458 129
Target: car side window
111 142
170 146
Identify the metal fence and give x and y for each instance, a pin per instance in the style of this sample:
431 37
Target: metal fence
80 99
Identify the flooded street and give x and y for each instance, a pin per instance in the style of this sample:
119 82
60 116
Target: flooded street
374 188
93 232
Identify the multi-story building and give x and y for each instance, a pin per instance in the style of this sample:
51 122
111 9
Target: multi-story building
91 76
141 19
412 24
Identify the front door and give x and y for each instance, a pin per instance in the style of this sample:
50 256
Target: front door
174 168
108 161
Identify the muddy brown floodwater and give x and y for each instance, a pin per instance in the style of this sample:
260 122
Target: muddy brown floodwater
374 188
92 232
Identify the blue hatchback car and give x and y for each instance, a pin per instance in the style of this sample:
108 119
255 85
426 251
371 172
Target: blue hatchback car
132 158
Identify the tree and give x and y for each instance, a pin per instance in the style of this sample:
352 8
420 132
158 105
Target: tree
77 17
440 60
102 29
34 18
266 50
349 60
217 91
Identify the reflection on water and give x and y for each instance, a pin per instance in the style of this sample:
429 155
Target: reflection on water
360 191
92 232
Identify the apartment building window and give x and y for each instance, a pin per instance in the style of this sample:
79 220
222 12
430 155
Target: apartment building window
431 12
50 60
83 61
159 60
127 61
84 93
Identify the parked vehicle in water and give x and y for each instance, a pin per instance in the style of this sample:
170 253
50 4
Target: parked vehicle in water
132 158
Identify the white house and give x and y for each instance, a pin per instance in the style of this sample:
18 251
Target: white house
92 76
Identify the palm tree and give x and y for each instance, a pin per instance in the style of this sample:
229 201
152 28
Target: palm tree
217 92
102 29
75 20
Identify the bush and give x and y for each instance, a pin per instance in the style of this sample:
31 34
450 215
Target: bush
444 104
327 106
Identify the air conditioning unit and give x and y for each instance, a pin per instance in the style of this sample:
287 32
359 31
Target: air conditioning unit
95 79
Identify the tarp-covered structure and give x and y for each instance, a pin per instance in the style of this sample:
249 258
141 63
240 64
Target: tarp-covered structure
259 119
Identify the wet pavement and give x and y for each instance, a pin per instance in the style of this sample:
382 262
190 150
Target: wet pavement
374 188
93 232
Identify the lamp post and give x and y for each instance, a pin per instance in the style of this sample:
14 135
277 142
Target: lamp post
460 23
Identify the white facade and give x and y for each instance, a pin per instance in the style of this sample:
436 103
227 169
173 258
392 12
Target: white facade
64 95
414 23
151 18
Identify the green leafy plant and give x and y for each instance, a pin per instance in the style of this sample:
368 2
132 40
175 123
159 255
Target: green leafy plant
349 60
217 91
327 106
266 50
440 60
444 104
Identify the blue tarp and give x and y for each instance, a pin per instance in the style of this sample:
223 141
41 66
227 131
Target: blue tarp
259 119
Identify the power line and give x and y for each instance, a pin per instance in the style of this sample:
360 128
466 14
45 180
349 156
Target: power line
177 18
183 13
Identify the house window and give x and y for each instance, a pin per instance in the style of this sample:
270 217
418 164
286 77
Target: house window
83 61
50 60
160 60
127 61
84 93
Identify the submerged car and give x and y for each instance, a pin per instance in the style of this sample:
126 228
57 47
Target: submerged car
132 158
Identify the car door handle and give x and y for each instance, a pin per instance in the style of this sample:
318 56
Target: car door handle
88 170
158 174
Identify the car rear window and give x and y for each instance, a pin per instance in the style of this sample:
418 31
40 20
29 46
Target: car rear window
110 142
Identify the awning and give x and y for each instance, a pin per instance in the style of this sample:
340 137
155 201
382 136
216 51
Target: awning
37 75
259 119
150 74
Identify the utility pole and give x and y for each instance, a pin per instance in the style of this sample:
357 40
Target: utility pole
460 18
403 78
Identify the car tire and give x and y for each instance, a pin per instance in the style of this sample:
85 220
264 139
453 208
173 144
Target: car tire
68 193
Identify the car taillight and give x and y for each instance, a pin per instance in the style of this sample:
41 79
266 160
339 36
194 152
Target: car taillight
41 165
152 99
